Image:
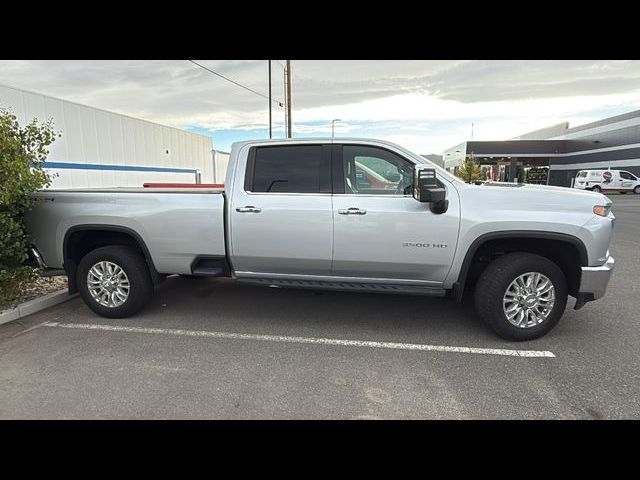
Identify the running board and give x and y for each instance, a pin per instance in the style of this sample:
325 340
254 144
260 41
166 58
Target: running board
208 272
210 266
346 286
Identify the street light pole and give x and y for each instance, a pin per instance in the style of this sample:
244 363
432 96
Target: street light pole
333 124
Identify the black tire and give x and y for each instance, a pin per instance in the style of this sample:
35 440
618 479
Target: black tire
493 284
637 190
596 189
134 266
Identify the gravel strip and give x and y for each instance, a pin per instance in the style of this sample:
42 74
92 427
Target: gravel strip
39 287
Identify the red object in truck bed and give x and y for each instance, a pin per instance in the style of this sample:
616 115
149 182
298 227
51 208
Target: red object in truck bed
183 185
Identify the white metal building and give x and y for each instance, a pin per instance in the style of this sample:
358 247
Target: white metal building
104 149
220 163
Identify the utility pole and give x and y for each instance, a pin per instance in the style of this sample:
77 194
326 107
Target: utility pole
289 135
284 93
269 99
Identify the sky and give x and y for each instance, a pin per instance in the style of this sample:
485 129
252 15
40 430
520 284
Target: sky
425 106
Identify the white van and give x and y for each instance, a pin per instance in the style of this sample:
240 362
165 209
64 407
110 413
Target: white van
607 181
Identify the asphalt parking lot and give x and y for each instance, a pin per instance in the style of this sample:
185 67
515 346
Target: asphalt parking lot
215 349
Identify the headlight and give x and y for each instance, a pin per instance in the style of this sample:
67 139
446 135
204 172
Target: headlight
602 210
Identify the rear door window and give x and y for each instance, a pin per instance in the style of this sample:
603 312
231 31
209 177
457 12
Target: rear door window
290 169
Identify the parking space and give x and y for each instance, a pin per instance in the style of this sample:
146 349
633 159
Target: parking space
209 348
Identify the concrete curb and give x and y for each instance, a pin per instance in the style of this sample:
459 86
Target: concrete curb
35 305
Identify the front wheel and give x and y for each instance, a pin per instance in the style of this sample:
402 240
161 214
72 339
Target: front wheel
114 281
521 296
637 190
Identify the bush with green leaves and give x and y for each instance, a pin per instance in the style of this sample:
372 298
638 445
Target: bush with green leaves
23 150
469 170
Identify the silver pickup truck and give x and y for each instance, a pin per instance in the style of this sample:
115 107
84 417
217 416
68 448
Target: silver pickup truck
347 214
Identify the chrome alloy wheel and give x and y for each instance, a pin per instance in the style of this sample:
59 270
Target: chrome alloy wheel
108 284
529 300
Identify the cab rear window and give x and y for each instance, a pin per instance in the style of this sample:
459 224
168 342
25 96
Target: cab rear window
582 174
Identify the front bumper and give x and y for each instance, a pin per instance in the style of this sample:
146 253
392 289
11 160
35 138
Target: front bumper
594 281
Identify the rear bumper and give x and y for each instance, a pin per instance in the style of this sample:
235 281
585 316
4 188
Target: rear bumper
35 259
594 281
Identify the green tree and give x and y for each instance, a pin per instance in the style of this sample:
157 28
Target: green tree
23 150
469 170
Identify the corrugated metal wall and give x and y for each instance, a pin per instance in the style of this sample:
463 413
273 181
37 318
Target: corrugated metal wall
104 149
221 161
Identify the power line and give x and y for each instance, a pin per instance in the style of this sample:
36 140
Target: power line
236 83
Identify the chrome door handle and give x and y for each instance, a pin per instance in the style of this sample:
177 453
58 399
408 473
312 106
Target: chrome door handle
248 209
352 211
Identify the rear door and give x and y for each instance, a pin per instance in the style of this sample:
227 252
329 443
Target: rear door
581 178
280 212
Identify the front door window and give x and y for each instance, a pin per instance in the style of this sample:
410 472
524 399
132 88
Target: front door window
374 171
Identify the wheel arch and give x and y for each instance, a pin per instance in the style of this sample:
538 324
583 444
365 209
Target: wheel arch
81 239
493 238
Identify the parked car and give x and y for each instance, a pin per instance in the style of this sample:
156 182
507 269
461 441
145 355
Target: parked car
607 181
293 214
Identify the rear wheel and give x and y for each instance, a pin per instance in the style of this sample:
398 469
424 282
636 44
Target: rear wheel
596 189
114 281
521 296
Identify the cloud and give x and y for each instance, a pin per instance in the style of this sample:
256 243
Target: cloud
423 103
517 80
339 127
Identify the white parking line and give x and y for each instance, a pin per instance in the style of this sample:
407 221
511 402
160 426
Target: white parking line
307 340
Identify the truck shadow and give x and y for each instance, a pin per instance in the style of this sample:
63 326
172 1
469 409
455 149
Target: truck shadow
225 304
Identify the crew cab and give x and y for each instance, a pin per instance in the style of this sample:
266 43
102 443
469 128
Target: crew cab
347 214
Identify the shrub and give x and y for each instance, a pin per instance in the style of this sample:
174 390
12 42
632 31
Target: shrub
469 170
23 150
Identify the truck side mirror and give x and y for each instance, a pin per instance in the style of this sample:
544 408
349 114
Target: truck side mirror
427 190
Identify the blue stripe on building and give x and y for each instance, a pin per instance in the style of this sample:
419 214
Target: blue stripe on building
120 168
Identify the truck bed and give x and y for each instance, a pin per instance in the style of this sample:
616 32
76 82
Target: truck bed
177 225
138 190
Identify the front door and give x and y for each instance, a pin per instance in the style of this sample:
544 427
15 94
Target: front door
380 230
280 216
627 181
